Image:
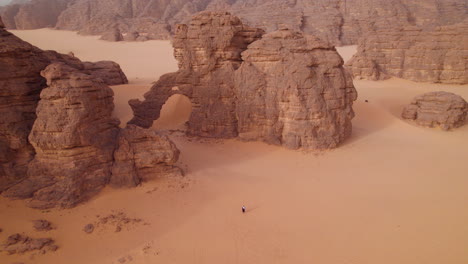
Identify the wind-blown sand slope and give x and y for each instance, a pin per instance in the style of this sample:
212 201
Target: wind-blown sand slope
393 193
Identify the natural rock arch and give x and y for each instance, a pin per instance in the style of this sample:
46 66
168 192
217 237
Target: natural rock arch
282 88
175 112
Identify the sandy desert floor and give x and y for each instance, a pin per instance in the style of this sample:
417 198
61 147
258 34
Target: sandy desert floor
392 193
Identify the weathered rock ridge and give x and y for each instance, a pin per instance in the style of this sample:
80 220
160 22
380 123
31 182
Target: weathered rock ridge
284 89
57 134
340 22
437 109
438 55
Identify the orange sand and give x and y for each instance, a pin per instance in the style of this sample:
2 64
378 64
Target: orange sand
393 193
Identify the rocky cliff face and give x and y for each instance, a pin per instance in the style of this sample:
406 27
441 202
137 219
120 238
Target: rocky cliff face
436 55
437 109
340 22
292 90
20 85
34 14
73 137
284 89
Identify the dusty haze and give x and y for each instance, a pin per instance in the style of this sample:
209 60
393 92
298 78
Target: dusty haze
393 193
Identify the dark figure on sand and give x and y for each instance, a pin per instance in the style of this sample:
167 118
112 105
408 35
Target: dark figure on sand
243 209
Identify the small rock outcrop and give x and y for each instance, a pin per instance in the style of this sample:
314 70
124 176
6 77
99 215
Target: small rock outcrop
292 90
284 88
19 244
437 109
113 35
141 155
108 71
74 138
42 225
437 55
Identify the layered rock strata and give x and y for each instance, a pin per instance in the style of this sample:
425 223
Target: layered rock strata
79 148
57 143
20 86
340 22
141 155
293 91
73 137
438 55
208 51
284 89
437 109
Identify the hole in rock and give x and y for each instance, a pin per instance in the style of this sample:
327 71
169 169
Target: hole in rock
174 113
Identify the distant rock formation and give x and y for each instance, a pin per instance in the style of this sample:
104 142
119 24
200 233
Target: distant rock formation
34 14
437 109
284 89
57 143
292 90
438 55
113 35
339 22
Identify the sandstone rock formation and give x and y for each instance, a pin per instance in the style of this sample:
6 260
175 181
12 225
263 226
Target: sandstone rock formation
293 91
108 71
340 22
34 14
60 150
285 89
20 85
208 52
438 55
74 139
142 154
437 109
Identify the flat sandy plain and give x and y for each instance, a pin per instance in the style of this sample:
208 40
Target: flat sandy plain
392 193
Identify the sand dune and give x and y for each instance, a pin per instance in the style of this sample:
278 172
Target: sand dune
393 193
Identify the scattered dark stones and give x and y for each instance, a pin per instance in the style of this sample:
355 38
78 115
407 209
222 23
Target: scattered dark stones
89 228
19 244
42 225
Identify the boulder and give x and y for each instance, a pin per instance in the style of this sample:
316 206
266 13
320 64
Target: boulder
108 71
437 109
141 155
113 35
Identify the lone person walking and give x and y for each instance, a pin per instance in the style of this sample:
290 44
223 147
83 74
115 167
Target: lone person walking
243 209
